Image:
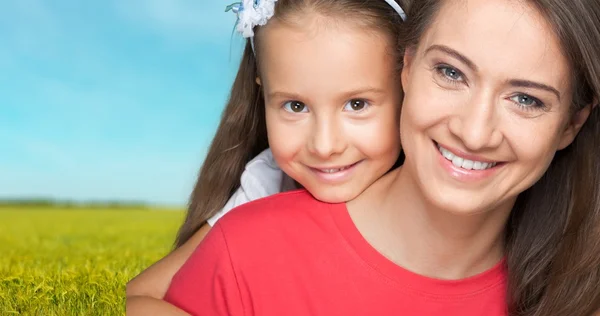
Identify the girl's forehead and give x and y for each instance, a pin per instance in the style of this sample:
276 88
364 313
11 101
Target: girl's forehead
326 64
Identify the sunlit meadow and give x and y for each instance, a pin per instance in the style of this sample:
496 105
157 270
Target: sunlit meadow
76 261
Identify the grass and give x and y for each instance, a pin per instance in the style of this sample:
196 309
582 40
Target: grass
77 261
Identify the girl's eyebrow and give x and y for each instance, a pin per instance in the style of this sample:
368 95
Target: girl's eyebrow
359 91
346 94
284 95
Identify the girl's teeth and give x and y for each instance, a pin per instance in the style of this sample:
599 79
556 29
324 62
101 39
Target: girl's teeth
465 163
333 170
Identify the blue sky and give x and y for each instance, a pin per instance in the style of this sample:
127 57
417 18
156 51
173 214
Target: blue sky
113 99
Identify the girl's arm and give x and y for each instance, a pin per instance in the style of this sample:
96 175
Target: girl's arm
155 280
148 306
260 179
207 283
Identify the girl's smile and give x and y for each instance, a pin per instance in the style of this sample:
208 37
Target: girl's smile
332 95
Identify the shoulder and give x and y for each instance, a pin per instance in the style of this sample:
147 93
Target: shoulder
280 205
297 207
262 176
263 161
274 228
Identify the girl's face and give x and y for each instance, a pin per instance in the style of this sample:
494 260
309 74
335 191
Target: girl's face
487 104
332 94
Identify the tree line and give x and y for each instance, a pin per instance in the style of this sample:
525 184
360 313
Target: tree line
45 202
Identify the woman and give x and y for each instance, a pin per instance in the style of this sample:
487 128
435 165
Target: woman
495 210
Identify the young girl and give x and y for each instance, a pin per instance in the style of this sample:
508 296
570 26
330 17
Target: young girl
495 211
327 107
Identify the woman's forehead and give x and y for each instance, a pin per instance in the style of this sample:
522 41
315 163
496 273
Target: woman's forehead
501 37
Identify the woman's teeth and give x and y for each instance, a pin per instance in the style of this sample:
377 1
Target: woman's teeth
465 163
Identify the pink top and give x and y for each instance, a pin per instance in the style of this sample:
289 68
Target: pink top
290 254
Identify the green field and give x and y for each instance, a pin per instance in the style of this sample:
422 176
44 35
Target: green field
77 261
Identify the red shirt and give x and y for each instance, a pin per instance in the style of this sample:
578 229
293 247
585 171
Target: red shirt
290 254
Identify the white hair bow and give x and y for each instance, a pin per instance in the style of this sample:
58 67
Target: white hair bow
252 13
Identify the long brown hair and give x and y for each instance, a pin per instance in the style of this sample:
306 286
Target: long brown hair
242 132
553 234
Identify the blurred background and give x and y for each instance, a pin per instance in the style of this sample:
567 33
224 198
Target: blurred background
106 112
117 99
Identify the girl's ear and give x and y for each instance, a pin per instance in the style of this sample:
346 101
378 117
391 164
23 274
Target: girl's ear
258 82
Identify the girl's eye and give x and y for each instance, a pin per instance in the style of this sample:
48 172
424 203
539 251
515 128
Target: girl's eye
450 73
356 105
295 107
527 101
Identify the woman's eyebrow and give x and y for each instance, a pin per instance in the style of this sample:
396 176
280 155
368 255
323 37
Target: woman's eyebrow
514 82
454 53
535 85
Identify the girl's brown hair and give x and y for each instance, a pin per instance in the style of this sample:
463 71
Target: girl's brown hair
242 132
553 234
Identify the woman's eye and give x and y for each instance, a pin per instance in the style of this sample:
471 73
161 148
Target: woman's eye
451 73
526 101
295 107
356 105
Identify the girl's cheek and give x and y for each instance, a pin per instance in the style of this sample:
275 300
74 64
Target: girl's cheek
380 137
285 141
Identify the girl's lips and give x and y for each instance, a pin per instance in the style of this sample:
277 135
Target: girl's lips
335 174
334 168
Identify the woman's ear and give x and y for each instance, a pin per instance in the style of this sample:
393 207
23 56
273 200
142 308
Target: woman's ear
409 54
575 124
258 82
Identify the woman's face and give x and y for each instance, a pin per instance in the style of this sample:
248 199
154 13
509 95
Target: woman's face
487 104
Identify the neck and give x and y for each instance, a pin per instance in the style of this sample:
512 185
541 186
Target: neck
426 239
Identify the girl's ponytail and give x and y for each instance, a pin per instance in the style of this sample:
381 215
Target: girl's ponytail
241 135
